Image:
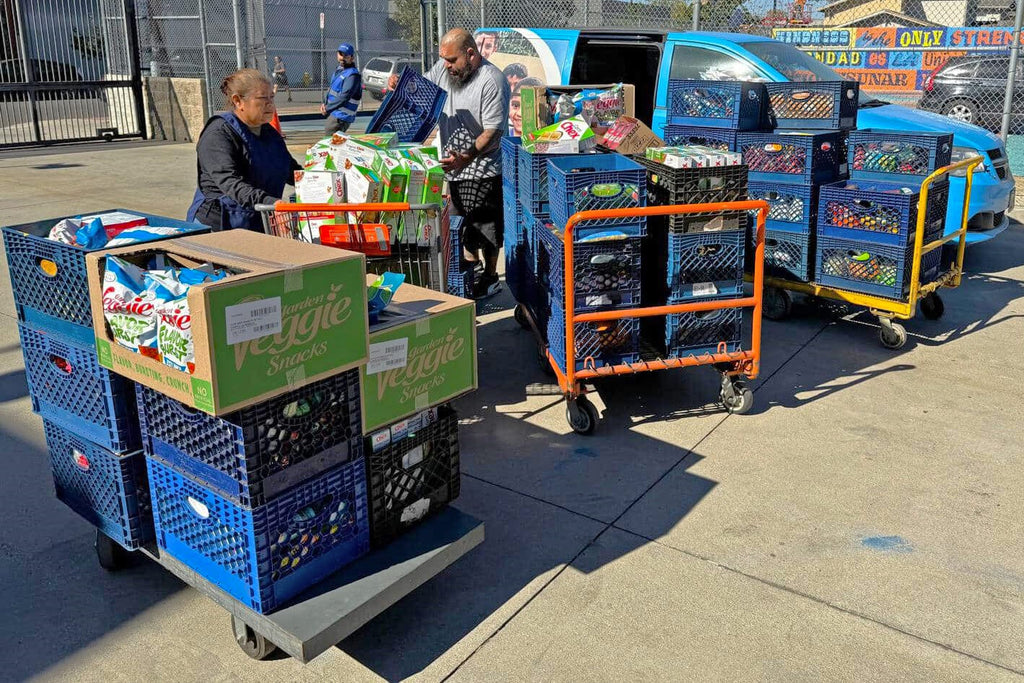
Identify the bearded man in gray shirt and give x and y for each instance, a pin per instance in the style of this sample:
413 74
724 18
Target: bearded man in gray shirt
474 118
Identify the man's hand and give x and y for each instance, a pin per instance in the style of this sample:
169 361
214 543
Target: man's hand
323 110
393 82
456 162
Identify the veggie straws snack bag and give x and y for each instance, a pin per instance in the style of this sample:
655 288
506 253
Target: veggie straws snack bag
174 320
130 306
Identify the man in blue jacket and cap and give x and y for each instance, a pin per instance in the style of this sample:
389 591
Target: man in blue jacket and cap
342 102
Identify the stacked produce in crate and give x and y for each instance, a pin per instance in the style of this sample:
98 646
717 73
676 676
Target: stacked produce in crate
89 413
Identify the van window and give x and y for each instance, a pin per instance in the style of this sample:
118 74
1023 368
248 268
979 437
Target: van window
378 65
697 63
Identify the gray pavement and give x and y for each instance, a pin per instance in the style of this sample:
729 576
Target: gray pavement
863 523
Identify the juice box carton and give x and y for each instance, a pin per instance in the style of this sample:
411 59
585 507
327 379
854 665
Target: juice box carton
318 187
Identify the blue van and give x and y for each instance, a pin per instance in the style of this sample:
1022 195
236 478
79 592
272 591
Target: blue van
649 59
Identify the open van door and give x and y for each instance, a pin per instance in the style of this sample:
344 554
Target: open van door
621 57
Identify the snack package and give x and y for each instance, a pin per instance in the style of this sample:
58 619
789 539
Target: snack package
318 187
174 321
129 306
91 235
571 136
144 234
116 222
599 108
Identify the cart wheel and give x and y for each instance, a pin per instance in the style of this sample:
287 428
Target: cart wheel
777 304
520 315
252 643
932 306
582 415
738 399
109 552
892 336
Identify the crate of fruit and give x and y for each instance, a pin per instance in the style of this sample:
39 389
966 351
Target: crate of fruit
877 269
597 344
109 490
597 182
820 105
705 265
265 555
718 104
880 212
69 387
716 138
789 255
791 157
897 156
413 471
699 333
254 454
791 208
606 273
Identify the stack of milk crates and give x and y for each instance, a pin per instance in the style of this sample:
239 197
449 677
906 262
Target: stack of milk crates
89 413
699 256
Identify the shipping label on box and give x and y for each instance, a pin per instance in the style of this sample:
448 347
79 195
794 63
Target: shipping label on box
289 314
427 361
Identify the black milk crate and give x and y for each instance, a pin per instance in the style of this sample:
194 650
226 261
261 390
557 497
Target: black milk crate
262 556
597 344
698 333
68 386
48 278
413 471
897 156
532 179
254 454
790 157
606 273
716 138
870 268
880 212
110 491
705 265
789 255
791 208
595 182
666 186
821 105
718 104
510 147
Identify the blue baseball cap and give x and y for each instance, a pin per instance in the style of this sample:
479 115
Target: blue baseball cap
346 49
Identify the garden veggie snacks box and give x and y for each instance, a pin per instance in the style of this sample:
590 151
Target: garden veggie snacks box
422 353
289 314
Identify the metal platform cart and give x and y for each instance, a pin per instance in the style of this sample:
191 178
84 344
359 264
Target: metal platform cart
921 291
418 250
734 366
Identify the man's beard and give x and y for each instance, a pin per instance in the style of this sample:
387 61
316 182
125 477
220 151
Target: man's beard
459 78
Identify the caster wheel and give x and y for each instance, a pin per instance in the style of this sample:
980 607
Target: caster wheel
893 337
253 644
932 306
520 315
582 415
777 303
737 400
110 554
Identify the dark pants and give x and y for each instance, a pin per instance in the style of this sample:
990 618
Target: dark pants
479 203
335 125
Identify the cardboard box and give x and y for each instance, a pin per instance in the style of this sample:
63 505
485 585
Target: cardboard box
536 111
422 353
572 136
318 187
311 298
629 135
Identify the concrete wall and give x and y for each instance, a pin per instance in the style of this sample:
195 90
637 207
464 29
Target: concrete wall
175 108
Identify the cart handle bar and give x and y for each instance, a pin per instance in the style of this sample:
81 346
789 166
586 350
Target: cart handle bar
293 207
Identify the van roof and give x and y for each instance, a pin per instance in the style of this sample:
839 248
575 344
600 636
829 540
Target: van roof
708 35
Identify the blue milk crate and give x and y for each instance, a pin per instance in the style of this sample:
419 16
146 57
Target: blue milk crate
716 138
897 156
69 387
789 255
49 280
880 212
791 157
460 284
597 344
265 555
791 208
532 178
718 104
510 147
254 454
513 244
813 105
587 183
870 268
697 333
411 110
606 272
705 265
108 490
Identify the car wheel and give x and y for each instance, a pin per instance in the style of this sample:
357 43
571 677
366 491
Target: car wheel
961 110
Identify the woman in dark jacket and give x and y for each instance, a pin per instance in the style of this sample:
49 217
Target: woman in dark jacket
242 159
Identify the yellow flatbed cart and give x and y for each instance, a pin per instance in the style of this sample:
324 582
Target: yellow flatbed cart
778 302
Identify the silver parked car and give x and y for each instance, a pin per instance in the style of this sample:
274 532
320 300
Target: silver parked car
379 69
